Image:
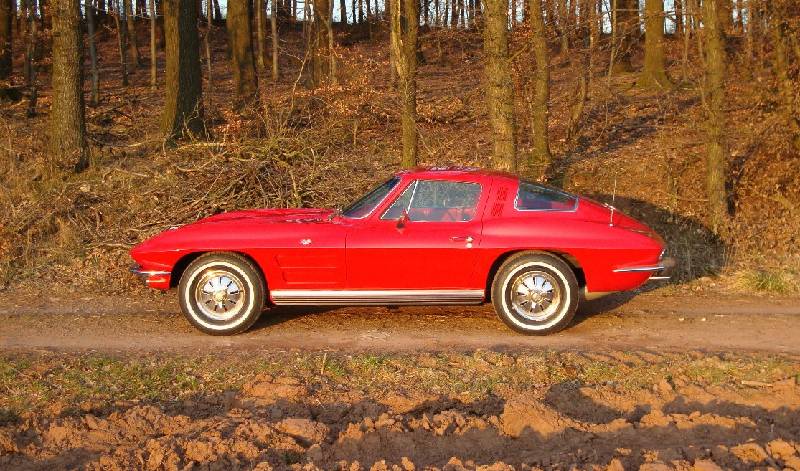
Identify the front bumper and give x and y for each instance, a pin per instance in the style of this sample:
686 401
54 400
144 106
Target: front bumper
158 279
660 271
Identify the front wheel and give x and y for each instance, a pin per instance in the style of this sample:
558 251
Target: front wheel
222 293
535 293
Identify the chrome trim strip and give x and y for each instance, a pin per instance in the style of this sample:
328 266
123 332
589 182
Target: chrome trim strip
137 270
658 278
376 297
638 269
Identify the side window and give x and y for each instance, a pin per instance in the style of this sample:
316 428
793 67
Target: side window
437 201
535 197
400 204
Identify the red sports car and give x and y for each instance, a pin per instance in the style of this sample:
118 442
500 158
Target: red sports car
426 236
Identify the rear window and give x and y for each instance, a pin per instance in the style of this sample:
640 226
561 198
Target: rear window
536 197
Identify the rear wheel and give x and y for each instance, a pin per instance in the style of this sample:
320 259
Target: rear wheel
535 293
222 293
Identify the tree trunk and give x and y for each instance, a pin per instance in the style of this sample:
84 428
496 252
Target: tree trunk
563 25
403 36
90 26
787 88
716 149
130 24
6 38
725 11
183 109
334 80
67 124
342 12
499 85
240 37
209 58
273 20
626 29
217 12
30 57
121 44
582 63
654 75
678 16
540 156
153 49
260 34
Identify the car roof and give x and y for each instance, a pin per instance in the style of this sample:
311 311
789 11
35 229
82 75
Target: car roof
449 172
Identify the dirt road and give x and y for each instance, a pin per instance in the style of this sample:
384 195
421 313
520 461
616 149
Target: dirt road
663 319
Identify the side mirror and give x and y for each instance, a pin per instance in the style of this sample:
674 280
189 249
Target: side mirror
402 221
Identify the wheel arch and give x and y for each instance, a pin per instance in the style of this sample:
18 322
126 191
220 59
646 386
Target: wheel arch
570 260
180 266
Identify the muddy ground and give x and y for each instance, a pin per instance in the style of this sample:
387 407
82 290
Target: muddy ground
658 381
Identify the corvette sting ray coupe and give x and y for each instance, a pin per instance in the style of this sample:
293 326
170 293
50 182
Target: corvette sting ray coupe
449 235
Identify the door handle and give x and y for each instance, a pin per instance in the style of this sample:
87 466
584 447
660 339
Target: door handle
467 239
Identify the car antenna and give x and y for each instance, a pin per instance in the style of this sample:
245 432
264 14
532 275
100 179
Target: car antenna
613 199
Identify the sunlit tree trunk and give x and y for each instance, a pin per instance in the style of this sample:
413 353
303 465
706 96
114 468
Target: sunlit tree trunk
654 75
67 129
403 38
714 94
183 109
241 43
499 85
540 156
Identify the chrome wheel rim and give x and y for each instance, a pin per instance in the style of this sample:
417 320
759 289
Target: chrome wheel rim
535 295
220 295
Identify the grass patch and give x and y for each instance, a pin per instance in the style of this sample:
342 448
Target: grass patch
37 381
766 281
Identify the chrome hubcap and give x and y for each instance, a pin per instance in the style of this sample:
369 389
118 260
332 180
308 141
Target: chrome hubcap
535 295
220 294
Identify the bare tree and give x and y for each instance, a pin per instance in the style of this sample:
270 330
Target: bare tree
539 107
183 108
130 24
90 29
153 49
499 85
260 35
209 61
787 86
273 20
121 44
714 98
625 29
67 128
403 25
654 75
241 38
6 38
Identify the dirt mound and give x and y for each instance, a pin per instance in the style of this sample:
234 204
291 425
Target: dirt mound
286 423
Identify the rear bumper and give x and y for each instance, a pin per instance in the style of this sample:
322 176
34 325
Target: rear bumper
158 279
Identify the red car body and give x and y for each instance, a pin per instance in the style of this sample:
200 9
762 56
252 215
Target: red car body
319 256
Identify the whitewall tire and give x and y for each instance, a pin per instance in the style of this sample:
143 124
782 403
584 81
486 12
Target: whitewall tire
535 293
222 293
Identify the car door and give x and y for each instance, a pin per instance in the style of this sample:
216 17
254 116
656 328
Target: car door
426 239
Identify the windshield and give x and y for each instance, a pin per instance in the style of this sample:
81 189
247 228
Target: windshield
364 205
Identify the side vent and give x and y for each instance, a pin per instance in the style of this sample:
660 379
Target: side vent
500 201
